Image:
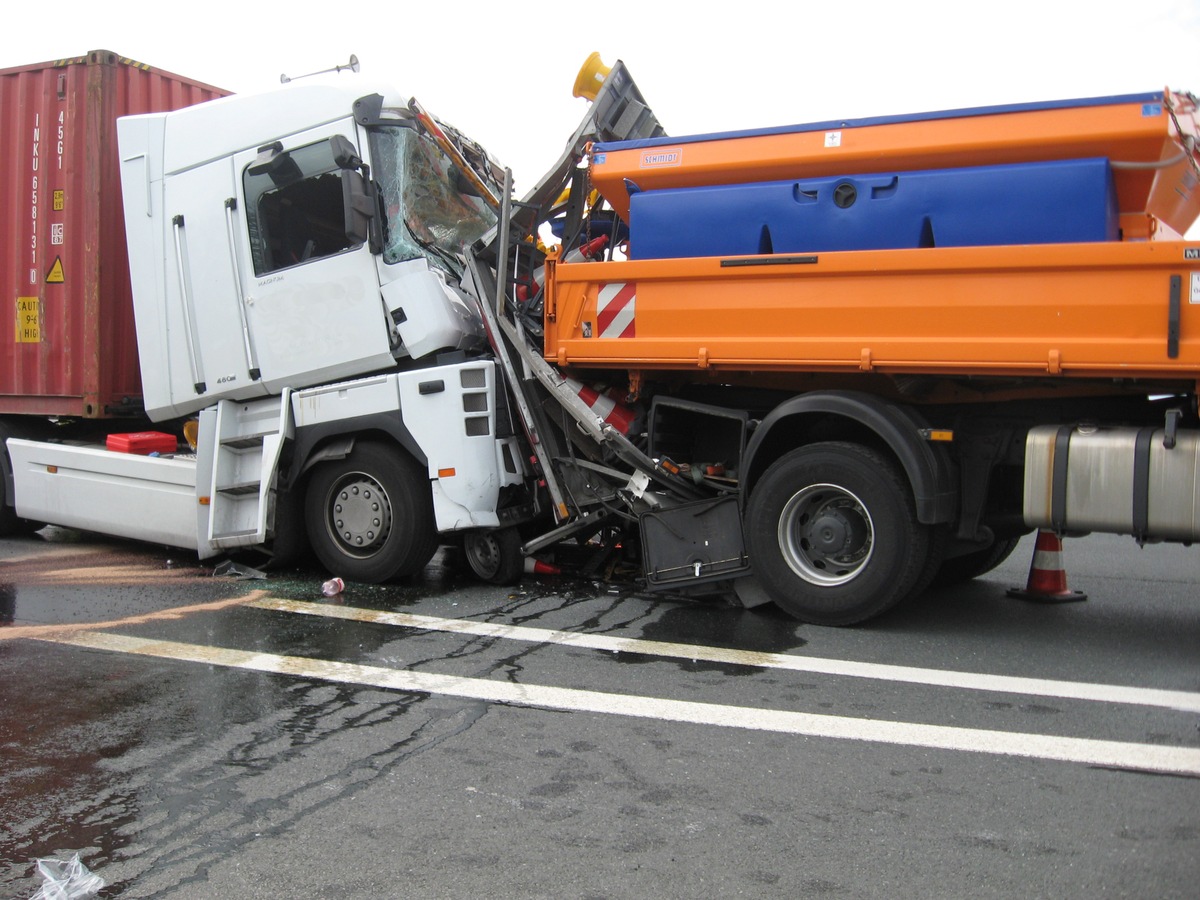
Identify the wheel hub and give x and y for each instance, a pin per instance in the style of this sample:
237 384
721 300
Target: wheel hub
835 533
826 534
360 514
483 551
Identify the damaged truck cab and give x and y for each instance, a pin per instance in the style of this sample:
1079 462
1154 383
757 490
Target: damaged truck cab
294 265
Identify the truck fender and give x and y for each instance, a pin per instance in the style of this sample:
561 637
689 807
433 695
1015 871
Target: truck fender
10 428
927 466
334 440
334 448
9 487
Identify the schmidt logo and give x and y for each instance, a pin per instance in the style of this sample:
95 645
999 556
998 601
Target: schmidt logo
655 159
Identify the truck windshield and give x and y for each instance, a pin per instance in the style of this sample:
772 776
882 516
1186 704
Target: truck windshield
431 210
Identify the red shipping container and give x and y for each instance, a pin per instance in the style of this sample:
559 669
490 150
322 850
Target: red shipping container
67 342
143 442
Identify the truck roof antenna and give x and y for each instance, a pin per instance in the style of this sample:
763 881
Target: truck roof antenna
352 66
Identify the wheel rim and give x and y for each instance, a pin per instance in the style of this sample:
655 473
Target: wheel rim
826 535
358 514
483 554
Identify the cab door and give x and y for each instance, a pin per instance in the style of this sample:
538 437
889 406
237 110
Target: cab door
314 309
193 344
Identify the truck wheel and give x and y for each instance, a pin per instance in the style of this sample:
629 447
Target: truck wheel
370 515
958 569
833 534
10 522
290 545
494 556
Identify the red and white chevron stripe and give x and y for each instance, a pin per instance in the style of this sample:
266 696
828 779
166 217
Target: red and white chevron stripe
615 310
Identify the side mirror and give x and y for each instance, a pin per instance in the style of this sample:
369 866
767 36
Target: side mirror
280 166
345 154
359 206
359 202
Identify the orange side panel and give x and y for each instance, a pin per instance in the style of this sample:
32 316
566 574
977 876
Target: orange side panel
1074 310
1120 132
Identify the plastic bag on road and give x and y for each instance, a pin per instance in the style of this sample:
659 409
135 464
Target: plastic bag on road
237 570
66 880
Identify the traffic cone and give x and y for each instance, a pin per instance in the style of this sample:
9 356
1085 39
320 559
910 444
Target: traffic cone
1047 579
537 567
619 415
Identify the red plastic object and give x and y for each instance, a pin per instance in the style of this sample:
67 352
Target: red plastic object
143 442
67 343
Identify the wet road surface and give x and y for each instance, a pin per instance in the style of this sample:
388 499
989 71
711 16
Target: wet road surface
196 736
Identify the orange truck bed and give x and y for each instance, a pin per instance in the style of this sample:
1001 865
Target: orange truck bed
993 263
1107 310
1133 132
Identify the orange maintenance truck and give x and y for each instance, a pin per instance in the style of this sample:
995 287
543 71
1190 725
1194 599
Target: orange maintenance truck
883 349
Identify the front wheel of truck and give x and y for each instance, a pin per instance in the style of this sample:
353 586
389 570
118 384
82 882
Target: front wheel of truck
495 556
833 534
370 515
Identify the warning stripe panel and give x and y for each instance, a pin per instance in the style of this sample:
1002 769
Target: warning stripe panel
615 310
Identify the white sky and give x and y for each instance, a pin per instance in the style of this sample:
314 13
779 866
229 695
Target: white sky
502 72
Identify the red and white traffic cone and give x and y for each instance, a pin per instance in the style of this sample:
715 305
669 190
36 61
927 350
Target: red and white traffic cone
590 250
1047 581
619 415
537 567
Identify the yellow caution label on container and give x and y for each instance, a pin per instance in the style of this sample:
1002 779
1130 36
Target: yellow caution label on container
29 320
55 275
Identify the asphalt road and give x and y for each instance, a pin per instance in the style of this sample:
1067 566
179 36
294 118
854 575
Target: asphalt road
194 736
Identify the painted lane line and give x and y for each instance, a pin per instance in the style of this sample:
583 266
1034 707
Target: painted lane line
1109 754
1009 684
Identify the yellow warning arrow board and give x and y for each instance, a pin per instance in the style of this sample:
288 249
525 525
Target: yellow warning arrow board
55 275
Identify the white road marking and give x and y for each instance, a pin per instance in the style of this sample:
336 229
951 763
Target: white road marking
1112 754
1010 684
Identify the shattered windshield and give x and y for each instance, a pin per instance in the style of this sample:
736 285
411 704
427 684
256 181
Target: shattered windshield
431 209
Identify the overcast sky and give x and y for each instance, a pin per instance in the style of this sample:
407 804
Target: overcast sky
502 72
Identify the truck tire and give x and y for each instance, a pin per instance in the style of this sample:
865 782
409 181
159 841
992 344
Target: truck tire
958 569
10 522
370 515
494 556
290 545
833 534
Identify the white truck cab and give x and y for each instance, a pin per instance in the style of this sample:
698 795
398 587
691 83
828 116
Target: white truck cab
294 261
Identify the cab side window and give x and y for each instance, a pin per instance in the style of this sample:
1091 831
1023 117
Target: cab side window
294 207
